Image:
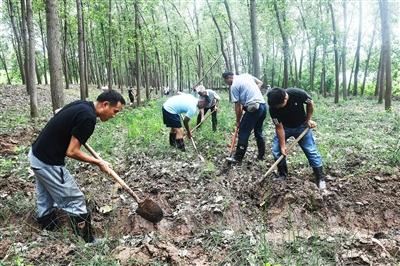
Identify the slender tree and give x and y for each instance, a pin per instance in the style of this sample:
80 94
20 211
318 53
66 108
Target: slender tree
31 73
55 65
281 19
357 59
386 51
254 38
336 54
81 51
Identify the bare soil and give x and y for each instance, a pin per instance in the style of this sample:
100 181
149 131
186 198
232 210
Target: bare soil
360 214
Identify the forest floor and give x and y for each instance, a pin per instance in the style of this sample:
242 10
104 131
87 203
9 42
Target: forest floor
213 213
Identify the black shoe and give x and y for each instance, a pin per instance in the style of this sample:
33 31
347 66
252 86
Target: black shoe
261 149
240 152
172 140
48 222
282 171
319 177
180 144
81 225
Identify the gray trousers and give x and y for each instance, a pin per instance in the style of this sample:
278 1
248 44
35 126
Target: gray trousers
56 188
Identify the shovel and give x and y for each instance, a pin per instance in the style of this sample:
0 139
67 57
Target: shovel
201 122
283 156
194 146
230 158
148 209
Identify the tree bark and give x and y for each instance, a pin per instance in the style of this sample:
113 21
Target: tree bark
235 62
81 51
17 40
31 77
109 72
344 51
368 58
228 67
357 68
3 60
254 38
336 54
43 48
55 65
24 41
386 51
281 18
137 55
65 58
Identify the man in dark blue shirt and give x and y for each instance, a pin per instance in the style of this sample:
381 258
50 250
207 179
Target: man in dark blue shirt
62 137
287 112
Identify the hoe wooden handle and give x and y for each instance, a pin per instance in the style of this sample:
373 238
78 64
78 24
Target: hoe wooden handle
114 174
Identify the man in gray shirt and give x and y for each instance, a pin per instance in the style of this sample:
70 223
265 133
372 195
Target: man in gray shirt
245 93
212 98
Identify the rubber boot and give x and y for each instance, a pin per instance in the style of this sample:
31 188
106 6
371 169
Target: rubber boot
261 149
214 122
48 222
180 144
319 177
81 225
172 139
239 154
282 171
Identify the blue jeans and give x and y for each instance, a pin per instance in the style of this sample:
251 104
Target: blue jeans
252 121
307 144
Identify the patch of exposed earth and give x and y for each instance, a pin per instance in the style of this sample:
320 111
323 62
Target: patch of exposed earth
358 215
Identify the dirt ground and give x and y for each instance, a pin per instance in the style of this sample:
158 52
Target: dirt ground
360 214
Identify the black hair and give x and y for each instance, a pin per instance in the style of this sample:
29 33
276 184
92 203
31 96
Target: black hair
111 96
226 74
276 96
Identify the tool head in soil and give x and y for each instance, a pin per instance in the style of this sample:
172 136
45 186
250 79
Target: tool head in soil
150 211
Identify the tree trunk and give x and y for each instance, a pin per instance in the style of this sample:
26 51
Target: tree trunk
17 40
322 89
24 41
228 67
228 11
368 58
336 54
137 55
109 72
344 51
355 88
81 51
381 78
254 38
43 48
3 60
281 19
31 77
55 65
65 59
386 51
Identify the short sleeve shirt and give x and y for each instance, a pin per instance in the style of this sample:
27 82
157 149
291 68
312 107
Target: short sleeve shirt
182 104
212 97
293 114
76 119
244 90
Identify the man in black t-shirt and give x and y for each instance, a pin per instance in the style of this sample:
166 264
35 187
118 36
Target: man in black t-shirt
62 137
287 112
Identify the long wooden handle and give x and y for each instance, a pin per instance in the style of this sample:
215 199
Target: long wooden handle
201 122
234 140
283 156
114 174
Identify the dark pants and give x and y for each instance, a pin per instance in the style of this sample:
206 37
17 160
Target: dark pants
213 117
250 121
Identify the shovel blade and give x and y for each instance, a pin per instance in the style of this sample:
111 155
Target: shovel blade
150 211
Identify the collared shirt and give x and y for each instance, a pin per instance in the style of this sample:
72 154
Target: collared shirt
245 90
212 98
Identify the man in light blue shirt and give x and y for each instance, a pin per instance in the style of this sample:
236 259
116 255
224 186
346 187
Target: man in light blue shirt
180 104
245 93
